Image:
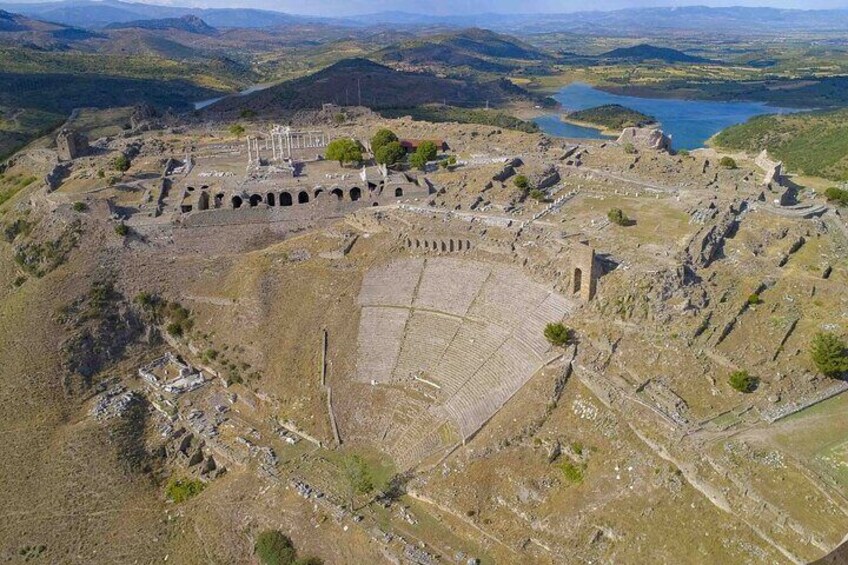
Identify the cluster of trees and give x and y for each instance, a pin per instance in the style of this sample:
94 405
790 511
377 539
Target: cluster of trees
387 150
425 153
386 147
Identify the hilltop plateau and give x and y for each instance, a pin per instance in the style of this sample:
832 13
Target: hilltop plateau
211 338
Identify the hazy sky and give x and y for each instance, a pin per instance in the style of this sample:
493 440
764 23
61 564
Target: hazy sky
447 7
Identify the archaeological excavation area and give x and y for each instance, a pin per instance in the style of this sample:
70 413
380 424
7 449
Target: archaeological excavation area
252 336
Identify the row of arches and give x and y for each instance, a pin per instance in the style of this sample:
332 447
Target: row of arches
443 245
273 199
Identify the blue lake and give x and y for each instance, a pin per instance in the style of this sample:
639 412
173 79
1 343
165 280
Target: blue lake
689 122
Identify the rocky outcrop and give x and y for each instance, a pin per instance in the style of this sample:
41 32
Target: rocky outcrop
646 138
707 244
548 178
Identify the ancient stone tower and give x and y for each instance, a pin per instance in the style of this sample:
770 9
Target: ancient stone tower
584 274
70 145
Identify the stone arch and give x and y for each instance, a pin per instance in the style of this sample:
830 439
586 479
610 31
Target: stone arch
302 197
444 247
398 191
203 201
190 188
408 243
255 200
237 202
317 192
435 245
375 204
577 280
426 244
459 245
417 244
285 199
467 245
355 194
219 200
450 245
584 275
337 192
270 199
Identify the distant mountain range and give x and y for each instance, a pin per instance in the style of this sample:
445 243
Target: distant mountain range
641 21
22 30
190 24
477 49
98 14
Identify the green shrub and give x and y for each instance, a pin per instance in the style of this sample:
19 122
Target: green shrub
743 382
537 194
557 334
236 130
121 163
618 217
571 472
629 148
246 114
179 319
521 182
18 227
275 548
122 229
829 354
577 448
755 299
837 196
79 206
727 162
339 118
683 153
180 490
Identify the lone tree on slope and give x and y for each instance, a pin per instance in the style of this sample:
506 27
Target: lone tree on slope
557 334
830 355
